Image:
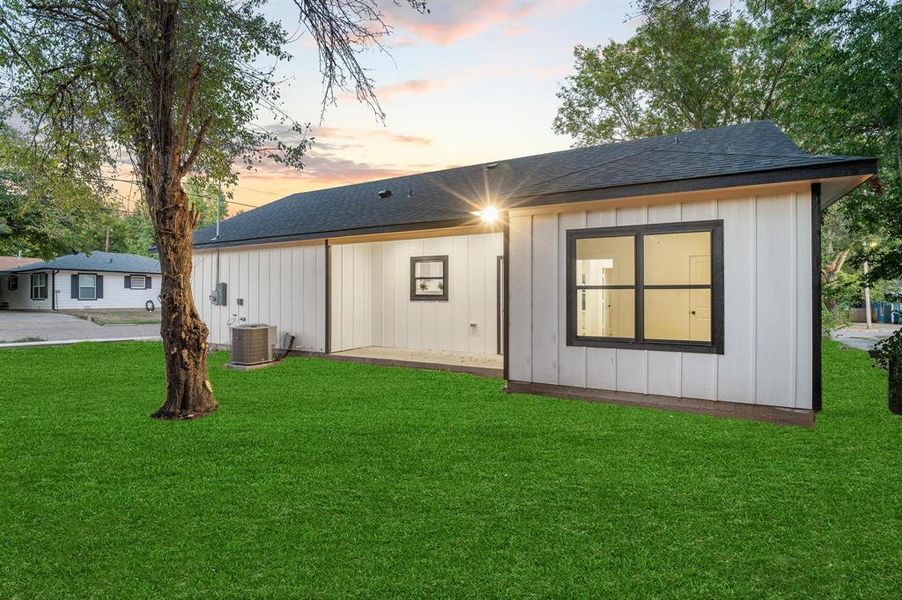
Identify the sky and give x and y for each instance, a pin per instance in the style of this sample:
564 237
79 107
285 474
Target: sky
469 82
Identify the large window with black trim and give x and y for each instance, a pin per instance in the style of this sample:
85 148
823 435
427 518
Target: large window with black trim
653 287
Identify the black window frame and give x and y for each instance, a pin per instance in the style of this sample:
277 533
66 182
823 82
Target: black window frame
45 287
638 232
414 297
12 283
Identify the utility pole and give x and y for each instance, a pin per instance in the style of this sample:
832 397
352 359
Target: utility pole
106 246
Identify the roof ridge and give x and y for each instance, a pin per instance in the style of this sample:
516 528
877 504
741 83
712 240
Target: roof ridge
800 155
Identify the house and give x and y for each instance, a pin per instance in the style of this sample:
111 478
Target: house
679 271
100 280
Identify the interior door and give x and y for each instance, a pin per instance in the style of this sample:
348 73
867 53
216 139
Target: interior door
699 300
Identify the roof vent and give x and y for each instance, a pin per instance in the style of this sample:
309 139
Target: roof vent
491 166
410 192
384 194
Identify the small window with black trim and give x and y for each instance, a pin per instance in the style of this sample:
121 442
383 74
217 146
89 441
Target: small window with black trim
138 282
647 287
429 278
12 283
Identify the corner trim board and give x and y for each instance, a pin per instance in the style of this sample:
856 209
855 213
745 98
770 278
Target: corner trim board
816 300
505 252
328 316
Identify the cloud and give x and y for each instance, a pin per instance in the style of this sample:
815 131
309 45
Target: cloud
448 22
336 136
413 86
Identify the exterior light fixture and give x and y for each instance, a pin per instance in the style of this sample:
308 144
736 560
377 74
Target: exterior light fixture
489 214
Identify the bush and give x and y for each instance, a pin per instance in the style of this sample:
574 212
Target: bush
889 349
832 319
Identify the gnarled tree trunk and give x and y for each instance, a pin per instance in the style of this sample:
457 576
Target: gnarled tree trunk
188 391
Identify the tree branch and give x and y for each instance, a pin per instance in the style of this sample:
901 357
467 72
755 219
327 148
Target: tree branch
195 149
185 118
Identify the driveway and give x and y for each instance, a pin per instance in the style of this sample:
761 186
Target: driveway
859 336
47 326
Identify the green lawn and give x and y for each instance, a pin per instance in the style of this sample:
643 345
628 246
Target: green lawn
321 478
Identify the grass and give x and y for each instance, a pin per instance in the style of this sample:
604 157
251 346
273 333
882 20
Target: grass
135 316
331 479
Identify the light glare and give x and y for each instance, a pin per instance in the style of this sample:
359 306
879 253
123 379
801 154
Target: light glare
489 214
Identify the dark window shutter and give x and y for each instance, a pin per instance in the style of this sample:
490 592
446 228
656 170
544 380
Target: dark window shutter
147 280
99 287
75 286
128 282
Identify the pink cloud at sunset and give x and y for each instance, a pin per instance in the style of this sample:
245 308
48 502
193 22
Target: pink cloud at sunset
447 23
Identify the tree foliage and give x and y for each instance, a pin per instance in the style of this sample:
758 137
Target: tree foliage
43 212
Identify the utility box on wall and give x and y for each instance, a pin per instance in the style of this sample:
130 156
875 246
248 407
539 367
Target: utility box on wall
219 297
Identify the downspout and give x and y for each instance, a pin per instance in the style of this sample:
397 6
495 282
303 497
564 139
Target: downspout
53 289
506 262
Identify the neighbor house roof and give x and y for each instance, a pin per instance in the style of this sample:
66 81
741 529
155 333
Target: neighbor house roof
95 261
11 262
744 154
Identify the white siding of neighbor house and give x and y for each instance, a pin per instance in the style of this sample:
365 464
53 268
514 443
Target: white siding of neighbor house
280 285
371 303
767 306
115 294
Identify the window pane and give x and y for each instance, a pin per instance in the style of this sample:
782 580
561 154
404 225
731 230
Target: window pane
683 315
86 281
430 287
606 313
605 261
678 258
432 268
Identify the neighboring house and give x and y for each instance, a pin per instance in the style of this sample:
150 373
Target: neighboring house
100 280
678 271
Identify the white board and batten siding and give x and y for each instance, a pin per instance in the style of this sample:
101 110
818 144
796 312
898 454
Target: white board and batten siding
767 305
371 305
279 285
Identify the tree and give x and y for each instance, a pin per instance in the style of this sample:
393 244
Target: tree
44 213
174 83
847 99
687 67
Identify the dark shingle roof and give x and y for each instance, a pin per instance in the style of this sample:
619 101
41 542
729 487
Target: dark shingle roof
96 261
451 195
